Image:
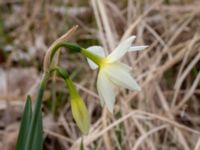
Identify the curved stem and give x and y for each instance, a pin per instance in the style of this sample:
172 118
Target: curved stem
76 48
73 47
64 74
49 56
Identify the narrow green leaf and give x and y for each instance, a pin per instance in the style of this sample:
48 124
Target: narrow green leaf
34 121
37 143
24 127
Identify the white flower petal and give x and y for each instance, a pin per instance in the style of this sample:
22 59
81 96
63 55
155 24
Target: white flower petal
105 91
122 77
121 49
125 66
137 48
98 50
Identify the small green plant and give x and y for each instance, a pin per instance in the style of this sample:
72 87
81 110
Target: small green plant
111 71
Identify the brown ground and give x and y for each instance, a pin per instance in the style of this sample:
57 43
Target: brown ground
165 115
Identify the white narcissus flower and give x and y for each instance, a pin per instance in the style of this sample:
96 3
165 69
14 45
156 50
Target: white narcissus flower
113 72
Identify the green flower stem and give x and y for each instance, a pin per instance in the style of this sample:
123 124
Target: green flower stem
76 48
36 110
95 58
64 74
73 47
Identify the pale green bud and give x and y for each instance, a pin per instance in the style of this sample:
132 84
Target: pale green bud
79 110
80 114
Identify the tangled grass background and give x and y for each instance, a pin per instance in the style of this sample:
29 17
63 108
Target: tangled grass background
165 115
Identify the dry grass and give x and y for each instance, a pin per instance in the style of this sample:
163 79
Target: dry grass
163 116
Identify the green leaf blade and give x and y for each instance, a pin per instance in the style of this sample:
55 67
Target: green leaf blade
37 143
25 123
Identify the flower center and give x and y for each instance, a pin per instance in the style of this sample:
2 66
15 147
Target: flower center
103 63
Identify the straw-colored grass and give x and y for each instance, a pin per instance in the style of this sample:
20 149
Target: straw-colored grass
165 115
